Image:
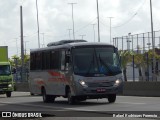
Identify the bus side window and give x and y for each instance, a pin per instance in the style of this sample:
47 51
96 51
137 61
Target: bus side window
55 60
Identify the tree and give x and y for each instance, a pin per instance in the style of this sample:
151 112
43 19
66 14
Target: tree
126 57
19 62
140 62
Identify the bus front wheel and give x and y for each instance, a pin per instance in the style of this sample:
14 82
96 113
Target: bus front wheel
112 98
71 99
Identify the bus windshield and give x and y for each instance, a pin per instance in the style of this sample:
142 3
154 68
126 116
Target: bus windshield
5 70
96 61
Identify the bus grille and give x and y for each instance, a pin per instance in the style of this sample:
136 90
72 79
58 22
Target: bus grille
101 84
3 85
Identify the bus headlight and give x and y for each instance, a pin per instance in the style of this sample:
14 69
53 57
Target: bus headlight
9 85
117 82
83 83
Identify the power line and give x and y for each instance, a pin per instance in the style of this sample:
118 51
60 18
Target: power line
85 25
131 16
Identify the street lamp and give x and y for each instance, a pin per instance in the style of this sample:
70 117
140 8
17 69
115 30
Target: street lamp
73 19
82 36
25 47
69 30
110 30
38 24
98 22
43 45
153 42
128 41
94 31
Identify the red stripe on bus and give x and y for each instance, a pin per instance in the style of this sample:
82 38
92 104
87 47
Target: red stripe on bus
52 73
40 82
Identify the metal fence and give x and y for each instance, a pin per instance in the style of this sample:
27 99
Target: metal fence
139 43
142 41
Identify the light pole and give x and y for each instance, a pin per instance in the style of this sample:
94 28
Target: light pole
110 18
38 24
73 19
22 44
69 30
82 36
17 46
128 41
25 42
43 45
98 22
94 31
153 40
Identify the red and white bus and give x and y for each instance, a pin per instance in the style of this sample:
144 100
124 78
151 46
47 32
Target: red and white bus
77 71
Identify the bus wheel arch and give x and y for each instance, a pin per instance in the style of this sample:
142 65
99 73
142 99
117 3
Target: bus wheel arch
46 98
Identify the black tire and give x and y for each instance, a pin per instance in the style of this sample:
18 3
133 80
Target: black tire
112 98
8 94
71 99
31 94
47 98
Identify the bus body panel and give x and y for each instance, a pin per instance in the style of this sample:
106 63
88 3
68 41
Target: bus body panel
56 85
55 81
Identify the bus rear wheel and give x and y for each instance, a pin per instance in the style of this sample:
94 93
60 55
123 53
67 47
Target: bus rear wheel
71 99
47 98
112 98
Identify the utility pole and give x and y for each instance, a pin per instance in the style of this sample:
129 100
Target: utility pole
82 36
69 30
98 22
153 42
38 24
110 18
25 47
73 19
17 46
94 31
22 45
43 45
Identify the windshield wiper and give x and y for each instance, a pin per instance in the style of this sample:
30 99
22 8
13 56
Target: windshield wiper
106 66
88 71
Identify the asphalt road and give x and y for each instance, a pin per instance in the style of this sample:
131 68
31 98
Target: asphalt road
126 107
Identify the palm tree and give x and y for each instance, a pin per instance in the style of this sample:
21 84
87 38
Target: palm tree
140 62
125 59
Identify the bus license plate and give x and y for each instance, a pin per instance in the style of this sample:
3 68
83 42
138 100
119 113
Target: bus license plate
101 90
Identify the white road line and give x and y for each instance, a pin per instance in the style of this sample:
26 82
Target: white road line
5 102
130 103
78 109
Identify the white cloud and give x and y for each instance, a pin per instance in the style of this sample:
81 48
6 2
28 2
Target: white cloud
55 19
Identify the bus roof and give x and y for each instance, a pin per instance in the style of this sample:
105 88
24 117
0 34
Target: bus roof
71 45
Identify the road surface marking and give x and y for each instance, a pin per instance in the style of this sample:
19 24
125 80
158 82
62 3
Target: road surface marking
130 103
